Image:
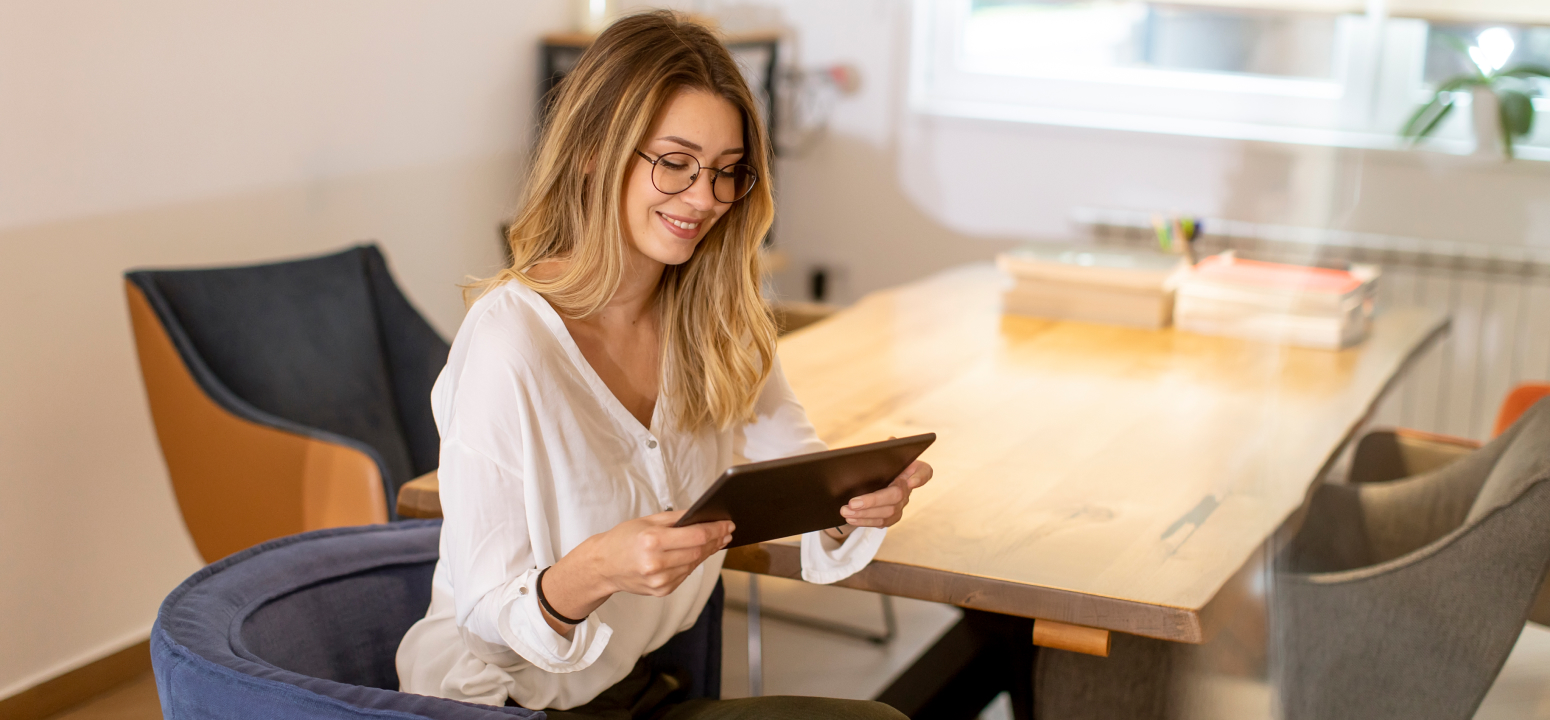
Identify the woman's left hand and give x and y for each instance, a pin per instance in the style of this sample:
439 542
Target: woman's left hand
886 506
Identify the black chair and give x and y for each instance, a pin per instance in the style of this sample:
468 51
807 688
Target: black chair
287 397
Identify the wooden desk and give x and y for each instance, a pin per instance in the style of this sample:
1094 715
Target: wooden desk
1099 476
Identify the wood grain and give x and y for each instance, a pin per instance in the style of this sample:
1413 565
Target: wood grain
72 688
1099 476
420 497
1075 638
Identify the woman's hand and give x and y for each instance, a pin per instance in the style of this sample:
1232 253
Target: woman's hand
645 556
886 506
648 556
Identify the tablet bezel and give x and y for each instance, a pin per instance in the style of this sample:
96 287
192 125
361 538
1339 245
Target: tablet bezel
770 483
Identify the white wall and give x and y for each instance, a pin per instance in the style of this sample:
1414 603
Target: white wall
187 132
890 195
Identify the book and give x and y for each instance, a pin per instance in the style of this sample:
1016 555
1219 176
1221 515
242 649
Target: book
1276 302
1092 266
1278 286
1086 303
1086 284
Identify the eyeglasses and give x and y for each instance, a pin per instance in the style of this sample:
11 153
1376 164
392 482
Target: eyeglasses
675 172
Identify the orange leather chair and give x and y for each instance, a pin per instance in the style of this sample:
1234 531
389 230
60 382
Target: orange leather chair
286 397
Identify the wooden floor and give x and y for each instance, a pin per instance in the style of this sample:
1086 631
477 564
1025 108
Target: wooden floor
134 700
852 668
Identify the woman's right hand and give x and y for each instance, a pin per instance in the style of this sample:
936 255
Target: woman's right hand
645 556
648 556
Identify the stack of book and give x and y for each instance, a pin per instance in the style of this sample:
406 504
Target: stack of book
1088 284
1290 304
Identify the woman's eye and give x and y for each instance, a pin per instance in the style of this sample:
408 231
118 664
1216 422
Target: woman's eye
670 165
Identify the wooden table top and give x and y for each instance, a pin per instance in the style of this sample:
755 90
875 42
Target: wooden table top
1087 474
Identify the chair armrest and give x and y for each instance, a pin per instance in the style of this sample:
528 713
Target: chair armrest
1392 454
1360 524
420 497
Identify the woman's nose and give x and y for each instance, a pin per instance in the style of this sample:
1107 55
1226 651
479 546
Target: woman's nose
701 195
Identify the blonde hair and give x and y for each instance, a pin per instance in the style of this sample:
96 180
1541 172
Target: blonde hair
718 338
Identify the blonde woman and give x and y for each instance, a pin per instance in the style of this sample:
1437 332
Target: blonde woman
599 384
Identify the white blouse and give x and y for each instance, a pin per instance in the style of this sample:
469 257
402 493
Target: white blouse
537 455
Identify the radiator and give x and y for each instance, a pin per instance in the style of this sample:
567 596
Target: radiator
1497 296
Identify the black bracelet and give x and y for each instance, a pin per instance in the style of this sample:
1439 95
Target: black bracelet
539 583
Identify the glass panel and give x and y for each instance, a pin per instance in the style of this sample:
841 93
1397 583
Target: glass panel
1524 44
1026 35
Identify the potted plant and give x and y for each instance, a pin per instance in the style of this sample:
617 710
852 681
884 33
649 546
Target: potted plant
1510 89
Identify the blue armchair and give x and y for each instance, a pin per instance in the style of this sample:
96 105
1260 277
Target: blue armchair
307 627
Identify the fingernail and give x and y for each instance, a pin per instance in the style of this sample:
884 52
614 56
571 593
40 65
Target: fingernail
855 504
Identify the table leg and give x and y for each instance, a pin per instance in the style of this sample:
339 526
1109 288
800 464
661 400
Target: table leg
981 656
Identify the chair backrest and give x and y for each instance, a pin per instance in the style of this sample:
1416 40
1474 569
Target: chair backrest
1524 460
326 343
1520 399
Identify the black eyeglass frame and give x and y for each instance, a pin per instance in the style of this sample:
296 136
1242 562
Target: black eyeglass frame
695 176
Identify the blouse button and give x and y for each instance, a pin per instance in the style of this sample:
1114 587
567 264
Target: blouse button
651 444
522 590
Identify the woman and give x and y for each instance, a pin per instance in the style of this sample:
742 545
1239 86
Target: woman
603 381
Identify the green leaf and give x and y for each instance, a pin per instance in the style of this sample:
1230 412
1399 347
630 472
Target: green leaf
1426 118
1460 82
1517 112
1526 70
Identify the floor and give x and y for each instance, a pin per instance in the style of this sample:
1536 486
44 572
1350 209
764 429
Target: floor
802 661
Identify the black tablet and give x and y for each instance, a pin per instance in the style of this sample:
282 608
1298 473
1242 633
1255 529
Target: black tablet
803 493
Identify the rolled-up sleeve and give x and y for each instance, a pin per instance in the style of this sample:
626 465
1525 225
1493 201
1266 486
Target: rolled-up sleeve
488 549
781 429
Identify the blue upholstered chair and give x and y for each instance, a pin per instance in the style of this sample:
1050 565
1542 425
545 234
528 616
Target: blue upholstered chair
307 627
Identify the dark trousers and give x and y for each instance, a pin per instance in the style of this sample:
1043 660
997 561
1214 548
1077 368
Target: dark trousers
644 695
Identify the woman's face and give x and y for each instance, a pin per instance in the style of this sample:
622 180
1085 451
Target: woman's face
664 227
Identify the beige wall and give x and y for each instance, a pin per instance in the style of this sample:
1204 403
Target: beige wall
166 132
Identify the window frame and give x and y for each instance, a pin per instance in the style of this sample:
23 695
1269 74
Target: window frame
1378 81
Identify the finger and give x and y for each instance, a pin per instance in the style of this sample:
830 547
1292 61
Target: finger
679 560
922 474
868 522
672 538
873 513
890 495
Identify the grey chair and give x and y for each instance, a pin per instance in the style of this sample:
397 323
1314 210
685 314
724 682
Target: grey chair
1402 599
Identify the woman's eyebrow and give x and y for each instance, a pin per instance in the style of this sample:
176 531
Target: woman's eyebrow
696 146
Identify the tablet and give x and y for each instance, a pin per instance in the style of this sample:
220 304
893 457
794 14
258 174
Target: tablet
803 493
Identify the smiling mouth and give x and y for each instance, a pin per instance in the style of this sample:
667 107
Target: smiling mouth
680 223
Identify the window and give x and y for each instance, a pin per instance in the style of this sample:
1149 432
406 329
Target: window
1305 71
